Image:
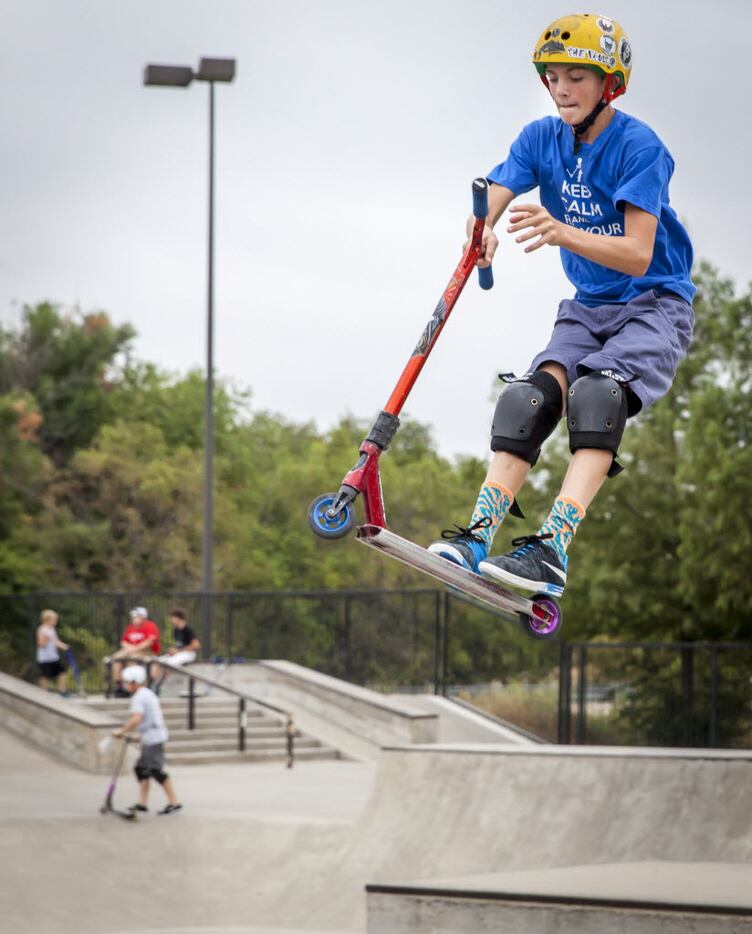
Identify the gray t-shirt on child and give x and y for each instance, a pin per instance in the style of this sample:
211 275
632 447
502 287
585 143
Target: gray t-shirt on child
152 726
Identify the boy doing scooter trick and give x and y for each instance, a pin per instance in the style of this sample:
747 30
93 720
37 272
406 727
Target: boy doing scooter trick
603 181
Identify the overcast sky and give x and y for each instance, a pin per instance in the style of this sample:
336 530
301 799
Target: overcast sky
345 152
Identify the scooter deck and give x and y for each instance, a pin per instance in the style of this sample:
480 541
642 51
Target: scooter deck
108 808
472 585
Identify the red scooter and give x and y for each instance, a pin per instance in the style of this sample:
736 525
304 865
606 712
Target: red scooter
332 515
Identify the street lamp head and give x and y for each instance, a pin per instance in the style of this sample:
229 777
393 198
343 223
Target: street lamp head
216 69
167 76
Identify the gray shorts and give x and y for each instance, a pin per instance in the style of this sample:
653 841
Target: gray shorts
641 342
152 757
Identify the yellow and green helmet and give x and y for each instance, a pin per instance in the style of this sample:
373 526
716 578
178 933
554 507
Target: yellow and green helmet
590 41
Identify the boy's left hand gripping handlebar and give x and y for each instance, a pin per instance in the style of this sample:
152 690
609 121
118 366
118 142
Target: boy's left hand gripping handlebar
480 212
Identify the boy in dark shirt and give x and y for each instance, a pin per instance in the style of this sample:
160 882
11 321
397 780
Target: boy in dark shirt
181 652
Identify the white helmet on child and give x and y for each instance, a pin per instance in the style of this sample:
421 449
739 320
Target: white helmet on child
136 674
139 612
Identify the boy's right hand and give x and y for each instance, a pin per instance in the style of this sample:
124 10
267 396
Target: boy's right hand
489 243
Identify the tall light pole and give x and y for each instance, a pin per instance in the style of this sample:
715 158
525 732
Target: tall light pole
210 70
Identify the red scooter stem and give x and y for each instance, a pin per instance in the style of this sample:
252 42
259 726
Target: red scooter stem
366 479
434 327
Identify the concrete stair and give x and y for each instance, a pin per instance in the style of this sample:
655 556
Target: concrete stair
215 735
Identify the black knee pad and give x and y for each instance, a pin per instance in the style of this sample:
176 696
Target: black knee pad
597 414
527 412
159 776
141 773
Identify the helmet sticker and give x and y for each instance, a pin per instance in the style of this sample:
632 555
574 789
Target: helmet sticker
608 44
549 48
625 52
605 25
601 58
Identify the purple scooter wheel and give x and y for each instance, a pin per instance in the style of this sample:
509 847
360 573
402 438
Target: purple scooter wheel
545 620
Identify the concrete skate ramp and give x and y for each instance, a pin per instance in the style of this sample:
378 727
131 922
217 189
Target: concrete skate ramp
455 810
264 847
546 809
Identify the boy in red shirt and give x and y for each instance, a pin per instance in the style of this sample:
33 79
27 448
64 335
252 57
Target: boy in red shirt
140 640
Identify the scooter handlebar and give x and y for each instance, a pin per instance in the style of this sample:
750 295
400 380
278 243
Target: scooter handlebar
480 212
480 198
485 277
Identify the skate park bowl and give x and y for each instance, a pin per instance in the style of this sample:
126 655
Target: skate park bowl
422 837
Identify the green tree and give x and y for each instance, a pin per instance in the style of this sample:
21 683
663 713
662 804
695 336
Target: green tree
176 404
662 551
25 473
715 472
68 364
125 514
103 466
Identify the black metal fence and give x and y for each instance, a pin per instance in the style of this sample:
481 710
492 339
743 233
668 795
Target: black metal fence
390 639
663 694
656 694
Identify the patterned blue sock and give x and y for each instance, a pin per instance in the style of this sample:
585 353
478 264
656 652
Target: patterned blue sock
493 503
562 522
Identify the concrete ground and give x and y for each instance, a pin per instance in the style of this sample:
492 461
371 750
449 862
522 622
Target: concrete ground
36 785
263 850
221 865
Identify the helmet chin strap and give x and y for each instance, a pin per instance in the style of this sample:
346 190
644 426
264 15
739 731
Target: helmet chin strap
581 128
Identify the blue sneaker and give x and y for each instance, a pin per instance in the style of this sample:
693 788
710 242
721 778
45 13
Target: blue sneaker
461 547
534 566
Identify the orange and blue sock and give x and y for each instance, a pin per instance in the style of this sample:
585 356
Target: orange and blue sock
566 514
493 503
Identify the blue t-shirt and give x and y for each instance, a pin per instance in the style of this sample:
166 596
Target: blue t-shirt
627 162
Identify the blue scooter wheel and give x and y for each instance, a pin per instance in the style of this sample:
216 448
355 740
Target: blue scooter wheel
324 526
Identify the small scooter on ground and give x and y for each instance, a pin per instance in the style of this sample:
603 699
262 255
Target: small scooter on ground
76 672
332 515
109 807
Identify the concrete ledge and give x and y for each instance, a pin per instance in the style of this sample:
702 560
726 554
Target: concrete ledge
580 752
429 914
652 895
68 730
463 723
365 720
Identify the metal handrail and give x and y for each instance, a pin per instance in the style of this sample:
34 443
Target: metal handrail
242 696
